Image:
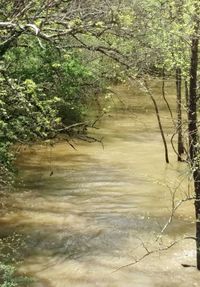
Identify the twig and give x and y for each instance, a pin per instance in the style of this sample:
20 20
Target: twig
174 208
145 255
148 253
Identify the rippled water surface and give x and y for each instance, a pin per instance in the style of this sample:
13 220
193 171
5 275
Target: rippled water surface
84 213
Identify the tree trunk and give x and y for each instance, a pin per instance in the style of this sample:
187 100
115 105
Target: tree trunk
193 132
159 121
179 113
196 176
186 94
161 128
164 96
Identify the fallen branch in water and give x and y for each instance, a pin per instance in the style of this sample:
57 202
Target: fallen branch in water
174 207
150 252
91 139
81 133
70 127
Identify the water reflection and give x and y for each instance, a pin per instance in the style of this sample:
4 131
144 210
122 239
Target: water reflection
84 213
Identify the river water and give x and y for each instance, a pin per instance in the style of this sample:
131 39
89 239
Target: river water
85 213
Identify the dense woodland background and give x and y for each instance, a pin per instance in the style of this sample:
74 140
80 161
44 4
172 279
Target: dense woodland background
59 57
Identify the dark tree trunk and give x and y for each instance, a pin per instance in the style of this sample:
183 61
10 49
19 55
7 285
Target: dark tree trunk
186 94
159 121
164 96
197 214
193 133
179 113
161 128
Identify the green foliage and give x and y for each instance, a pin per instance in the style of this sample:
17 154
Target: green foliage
44 87
9 277
61 79
10 248
41 91
25 114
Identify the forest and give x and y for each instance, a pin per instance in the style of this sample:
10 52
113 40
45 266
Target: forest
99 143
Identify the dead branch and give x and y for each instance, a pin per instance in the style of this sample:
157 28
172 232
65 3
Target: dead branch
150 252
175 206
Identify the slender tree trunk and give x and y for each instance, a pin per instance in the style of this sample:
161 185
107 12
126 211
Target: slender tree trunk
159 121
179 113
186 94
161 129
164 96
193 131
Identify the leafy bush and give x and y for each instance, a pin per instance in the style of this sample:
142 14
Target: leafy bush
10 253
41 90
9 277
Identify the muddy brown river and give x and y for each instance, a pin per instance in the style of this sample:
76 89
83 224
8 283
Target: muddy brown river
85 213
